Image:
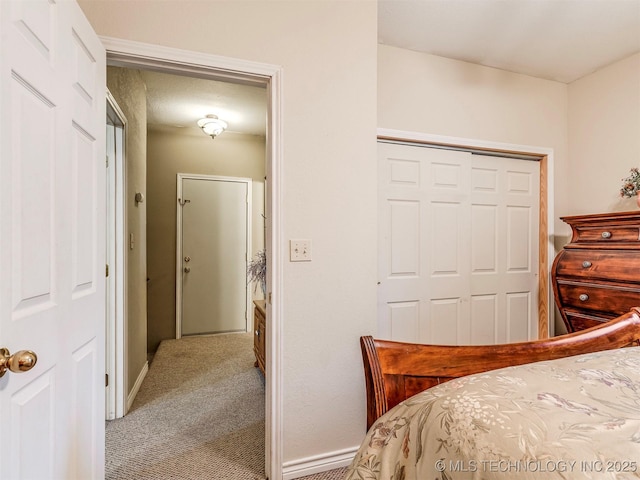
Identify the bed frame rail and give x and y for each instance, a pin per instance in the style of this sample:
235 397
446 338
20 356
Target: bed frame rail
394 371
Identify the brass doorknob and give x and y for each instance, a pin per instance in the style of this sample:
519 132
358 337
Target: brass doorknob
19 362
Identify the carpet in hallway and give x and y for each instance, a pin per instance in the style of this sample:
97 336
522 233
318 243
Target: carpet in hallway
199 415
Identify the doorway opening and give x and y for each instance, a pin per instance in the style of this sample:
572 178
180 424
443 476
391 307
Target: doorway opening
138 56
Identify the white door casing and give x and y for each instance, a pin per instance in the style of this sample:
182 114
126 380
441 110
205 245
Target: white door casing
458 238
116 358
184 62
52 250
214 241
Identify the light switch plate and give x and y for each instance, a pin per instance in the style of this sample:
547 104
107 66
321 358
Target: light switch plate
300 250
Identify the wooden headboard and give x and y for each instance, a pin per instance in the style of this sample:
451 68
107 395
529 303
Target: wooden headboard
394 371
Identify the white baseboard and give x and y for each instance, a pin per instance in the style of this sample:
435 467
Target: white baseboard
318 463
134 391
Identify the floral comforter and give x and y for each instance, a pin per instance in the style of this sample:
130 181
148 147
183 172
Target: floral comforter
573 418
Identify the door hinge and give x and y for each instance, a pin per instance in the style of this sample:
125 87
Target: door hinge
106 379
107 161
106 273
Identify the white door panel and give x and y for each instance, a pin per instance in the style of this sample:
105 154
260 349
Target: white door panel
215 238
458 246
52 215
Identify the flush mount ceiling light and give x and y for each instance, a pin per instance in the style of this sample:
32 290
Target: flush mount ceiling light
212 125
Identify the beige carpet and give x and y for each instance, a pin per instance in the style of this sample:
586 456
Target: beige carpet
337 474
199 415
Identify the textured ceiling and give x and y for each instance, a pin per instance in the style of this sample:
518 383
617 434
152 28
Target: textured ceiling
175 101
560 40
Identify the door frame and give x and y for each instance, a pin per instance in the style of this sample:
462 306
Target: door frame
179 263
132 54
116 352
546 247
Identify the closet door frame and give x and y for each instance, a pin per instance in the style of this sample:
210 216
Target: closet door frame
546 217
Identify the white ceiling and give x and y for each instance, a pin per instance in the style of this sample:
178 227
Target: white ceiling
560 40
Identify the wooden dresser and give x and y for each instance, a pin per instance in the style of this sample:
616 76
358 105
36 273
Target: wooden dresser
596 277
259 326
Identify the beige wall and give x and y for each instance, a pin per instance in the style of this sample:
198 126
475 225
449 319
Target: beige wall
170 153
128 89
437 95
604 138
327 51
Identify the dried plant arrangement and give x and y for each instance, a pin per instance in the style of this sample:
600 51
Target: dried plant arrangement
257 270
631 184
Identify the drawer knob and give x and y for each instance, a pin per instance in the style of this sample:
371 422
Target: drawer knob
606 234
584 297
586 264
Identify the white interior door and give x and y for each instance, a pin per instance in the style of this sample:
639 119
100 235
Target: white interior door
458 246
52 217
212 262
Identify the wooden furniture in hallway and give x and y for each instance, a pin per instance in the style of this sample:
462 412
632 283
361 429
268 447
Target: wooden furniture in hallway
259 326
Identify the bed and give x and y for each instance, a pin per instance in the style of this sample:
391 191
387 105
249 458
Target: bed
565 407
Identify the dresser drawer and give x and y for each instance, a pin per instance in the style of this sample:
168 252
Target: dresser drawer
580 321
607 233
258 333
619 265
604 299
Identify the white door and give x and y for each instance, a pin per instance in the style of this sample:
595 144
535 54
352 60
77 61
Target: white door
458 246
52 217
212 261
